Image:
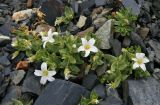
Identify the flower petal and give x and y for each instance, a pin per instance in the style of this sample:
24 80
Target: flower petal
94 49
134 59
92 41
43 80
38 72
135 65
52 73
44 66
44 44
145 60
44 39
140 55
81 48
55 33
51 79
143 67
87 53
51 40
50 32
84 41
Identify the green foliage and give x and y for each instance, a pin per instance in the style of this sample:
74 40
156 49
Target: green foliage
60 56
68 16
121 67
22 102
124 20
92 100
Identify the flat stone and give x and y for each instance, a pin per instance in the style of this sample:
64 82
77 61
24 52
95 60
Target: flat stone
116 47
44 28
81 22
111 101
104 33
143 32
155 45
52 9
14 92
100 90
5 29
132 5
17 76
4 40
90 80
142 92
100 2
2 20
4 60
31 84
99 22
87 4
126 42
60 92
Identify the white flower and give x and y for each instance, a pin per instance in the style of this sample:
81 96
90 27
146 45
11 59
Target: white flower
45 74
67 74
48 38
95 101
140 61
74 46
88 46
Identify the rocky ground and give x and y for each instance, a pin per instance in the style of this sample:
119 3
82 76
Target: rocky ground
23 83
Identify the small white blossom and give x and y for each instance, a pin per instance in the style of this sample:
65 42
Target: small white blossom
140 61
88 46
95 101
48 38
45 74
74 46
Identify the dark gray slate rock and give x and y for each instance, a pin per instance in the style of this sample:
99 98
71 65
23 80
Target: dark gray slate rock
87 4
90 80
52 9
4 40
155 45
126 42
100 90
102 69
5 29
116 47
4 60
31 84
60 92
100 2
17 76
132 5
110 100
142 92
14 92
75 6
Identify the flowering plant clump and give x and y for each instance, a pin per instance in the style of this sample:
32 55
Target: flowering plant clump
60 53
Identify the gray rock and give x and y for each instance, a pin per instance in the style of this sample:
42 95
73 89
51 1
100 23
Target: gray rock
99 21
44 28
90 80
4 60
60 92
75 6
143 32
17 76
14 92
156 73
100 90
31 84
87 4
52 9
142 92
155 45
4 40
100 2
2 20
116 45
102 69
5 29
136 39
104 33
126 42
132 5
110 100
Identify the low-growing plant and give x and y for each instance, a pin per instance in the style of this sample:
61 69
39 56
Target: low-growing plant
92 100
121 67
123 21
66 18
61 55
22 102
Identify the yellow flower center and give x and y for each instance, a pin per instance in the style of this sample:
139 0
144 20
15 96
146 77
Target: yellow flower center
140 61
87 46
45 73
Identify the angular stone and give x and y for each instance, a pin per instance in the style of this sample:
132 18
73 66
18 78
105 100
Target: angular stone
104 33
31 84
143 32
100 90
142 92
81 22
90 80
116 45
111 101
4 59
44 28
100 2
87 4
99 22
4 40
17 76
155 45
132 5
126 42
14 92
52 9
60 92
102 69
